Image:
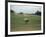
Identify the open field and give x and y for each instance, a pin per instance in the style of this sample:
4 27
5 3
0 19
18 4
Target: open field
18 24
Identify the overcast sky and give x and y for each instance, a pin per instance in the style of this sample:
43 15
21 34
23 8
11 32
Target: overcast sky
25 8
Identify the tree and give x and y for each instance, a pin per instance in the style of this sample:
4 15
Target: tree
21 12
11 11
38 13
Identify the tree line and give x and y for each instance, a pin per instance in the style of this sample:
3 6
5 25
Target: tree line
36 13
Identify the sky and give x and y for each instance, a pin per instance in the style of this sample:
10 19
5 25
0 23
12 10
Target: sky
25 8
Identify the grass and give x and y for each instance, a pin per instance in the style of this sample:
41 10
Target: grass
18 24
